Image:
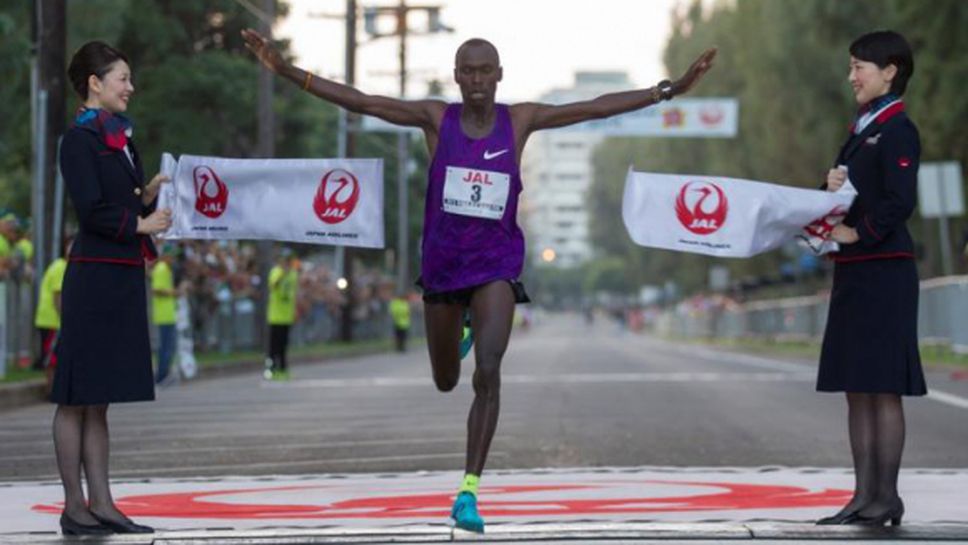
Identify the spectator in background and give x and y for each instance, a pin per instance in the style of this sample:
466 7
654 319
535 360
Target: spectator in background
48 313
281 314
400 313
24 246
163 296
8 234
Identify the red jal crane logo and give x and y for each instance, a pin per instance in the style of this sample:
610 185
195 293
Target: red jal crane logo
337 196
703 215
711 115
673 117
211 193
823 227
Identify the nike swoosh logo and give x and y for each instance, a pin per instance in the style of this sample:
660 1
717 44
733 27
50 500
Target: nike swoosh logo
488 155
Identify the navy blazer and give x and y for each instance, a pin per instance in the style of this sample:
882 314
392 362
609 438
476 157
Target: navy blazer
106 191
882 163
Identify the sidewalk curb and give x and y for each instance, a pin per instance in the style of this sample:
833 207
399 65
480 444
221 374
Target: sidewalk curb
19 394
32 392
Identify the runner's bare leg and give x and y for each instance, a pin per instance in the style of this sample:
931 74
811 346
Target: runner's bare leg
444 324
492 313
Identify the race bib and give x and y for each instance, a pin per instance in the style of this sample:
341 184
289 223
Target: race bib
476 193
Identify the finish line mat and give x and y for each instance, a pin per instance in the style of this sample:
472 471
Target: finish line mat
423 499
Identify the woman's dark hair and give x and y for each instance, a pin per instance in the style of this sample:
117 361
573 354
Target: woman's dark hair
92 58
883 48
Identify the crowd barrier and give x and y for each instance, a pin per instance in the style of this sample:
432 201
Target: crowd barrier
232 326
942 316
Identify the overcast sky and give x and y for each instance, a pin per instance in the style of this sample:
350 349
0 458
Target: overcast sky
542 42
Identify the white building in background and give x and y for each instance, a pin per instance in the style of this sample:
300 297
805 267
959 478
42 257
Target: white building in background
557 172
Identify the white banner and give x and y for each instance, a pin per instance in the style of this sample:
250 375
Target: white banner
682 117
728 217
319 201
678 118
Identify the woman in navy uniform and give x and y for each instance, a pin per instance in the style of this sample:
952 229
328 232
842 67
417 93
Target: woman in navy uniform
870 346
103 353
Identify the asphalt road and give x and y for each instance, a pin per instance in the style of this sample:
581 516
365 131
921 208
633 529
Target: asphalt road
573 396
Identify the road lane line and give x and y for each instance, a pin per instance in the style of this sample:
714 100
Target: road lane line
273 466
572 378
948 399
750 360
120 452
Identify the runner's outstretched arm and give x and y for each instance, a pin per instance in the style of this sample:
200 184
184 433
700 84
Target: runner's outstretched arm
425 114
539 116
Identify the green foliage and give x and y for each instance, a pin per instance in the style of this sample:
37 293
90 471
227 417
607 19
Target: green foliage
197 85
196 92
15 108
786 62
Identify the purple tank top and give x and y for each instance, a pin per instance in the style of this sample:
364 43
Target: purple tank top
471 235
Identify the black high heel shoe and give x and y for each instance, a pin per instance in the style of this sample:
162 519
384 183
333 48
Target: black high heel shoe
127 526
894 515
843 517
70 527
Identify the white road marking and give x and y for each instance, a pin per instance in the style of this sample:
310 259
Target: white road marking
948 399
569 378
321 444
759 362
277 466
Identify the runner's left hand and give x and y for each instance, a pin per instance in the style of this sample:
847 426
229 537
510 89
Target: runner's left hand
263 50
699 68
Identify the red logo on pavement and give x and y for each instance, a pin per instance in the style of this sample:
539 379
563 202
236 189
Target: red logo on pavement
701 215
499 501
336 198
211 193
822 227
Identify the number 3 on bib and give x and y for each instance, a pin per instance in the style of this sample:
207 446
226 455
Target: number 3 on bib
476 193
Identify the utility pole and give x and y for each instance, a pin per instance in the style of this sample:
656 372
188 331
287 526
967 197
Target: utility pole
403 160
266 123
347 145
434 25
50 20
343 256
47 105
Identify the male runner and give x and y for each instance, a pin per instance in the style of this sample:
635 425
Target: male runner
473 249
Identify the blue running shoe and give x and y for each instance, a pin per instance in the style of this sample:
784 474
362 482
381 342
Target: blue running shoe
465 515
466 342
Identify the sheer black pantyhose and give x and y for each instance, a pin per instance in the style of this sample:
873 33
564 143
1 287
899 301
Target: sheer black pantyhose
81 440
876 425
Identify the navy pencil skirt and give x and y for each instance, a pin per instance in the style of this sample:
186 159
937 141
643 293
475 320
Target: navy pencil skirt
104 352
871 340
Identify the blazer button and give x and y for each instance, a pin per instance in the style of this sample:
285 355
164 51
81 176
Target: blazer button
137 191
